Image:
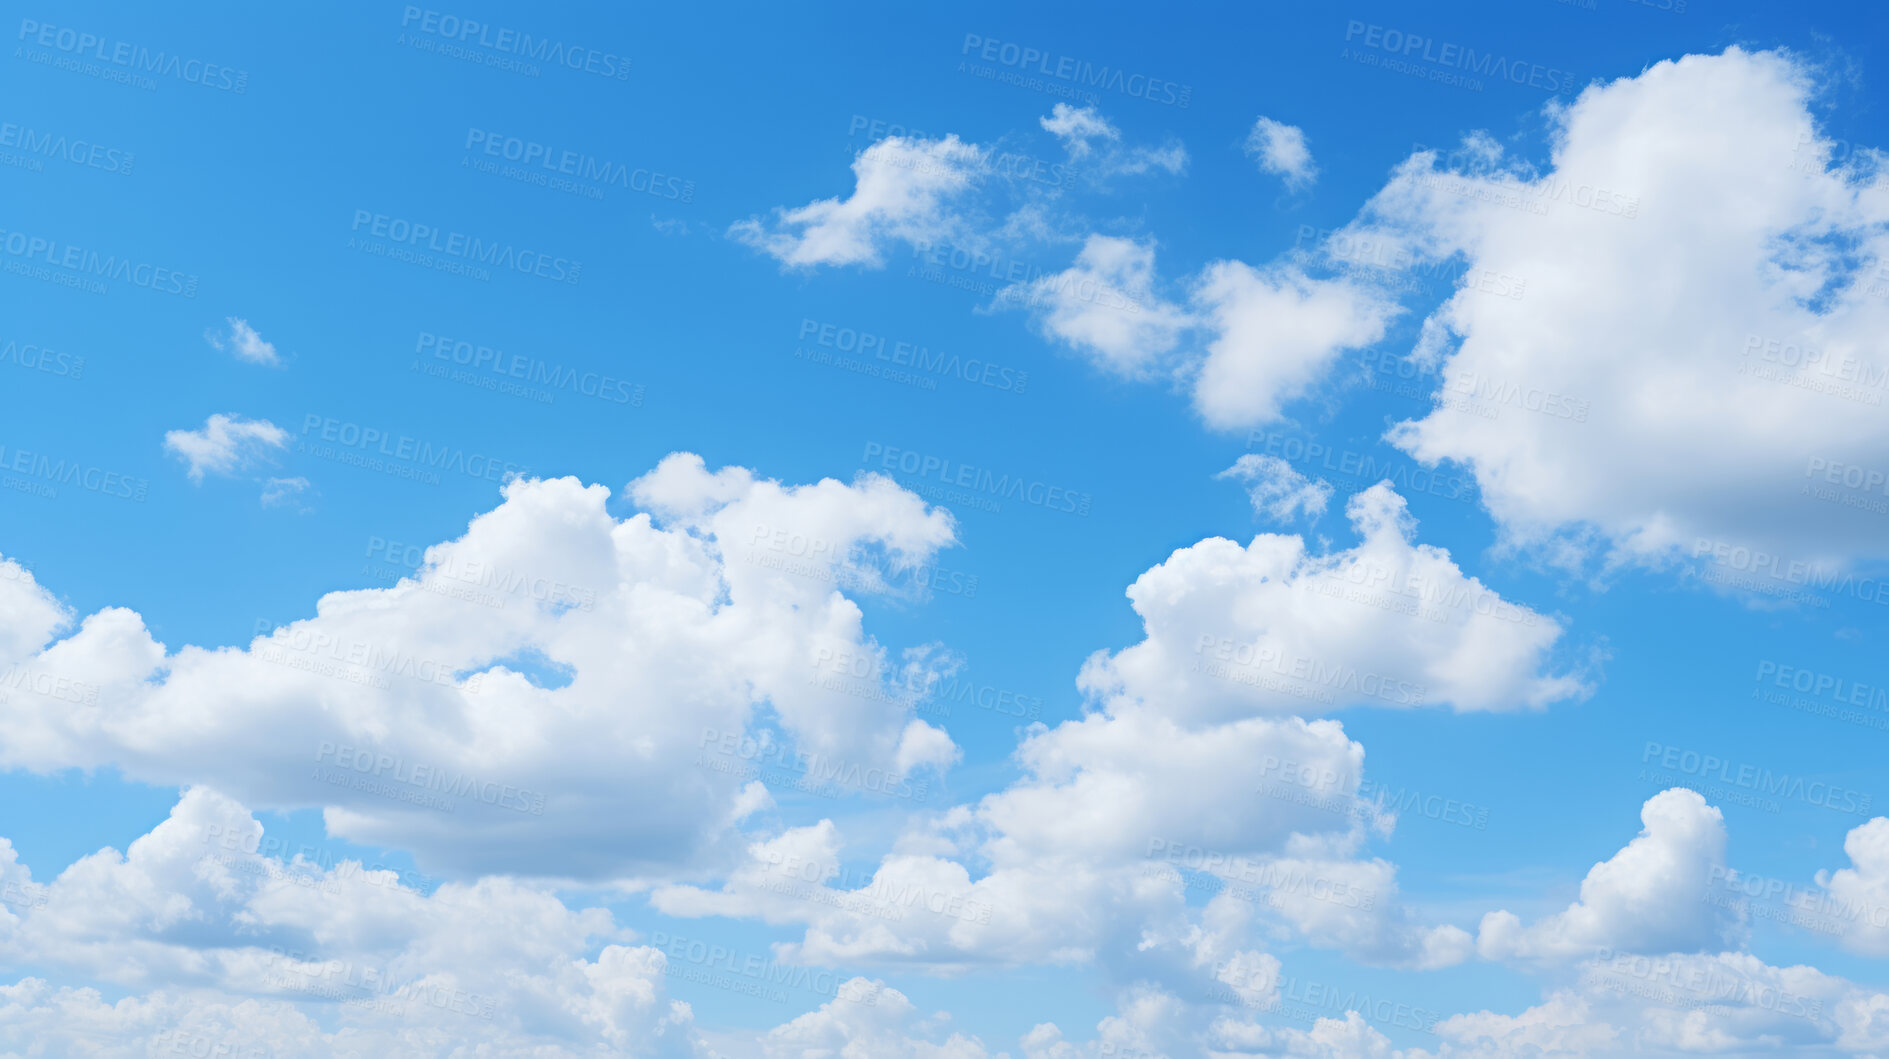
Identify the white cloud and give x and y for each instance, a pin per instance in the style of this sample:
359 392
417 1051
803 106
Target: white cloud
869 1019
1686 251
244 341
226 444
1276 332
715 603
1278 491
901 193
240 950
1858 896
1271 628
1076 127
1081 129
1650 897
285 492
1282 151
1105 307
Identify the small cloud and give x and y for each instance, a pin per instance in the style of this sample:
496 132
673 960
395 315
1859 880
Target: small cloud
1282 151
244 341
286 492
225 444
1076 126
1276 489
1081 128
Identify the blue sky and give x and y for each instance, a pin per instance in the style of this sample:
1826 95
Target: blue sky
1148 299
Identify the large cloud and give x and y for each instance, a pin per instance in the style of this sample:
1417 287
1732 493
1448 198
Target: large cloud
1273 628
493 712
1698 356
223 947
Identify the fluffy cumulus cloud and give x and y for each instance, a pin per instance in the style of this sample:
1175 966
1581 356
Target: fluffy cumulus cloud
245 342
1274 333
1649 897
903 191
221 949
225 445
889 1025
1854 901
489 711
1734 404
1247 341
1183 779
1277 490
1281 150
1105 306
1271 627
